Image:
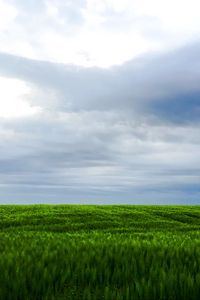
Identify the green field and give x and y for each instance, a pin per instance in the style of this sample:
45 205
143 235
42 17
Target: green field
99 252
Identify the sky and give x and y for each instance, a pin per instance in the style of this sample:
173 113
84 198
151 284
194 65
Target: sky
100 101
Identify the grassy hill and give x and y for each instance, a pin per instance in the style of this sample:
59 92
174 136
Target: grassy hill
99 252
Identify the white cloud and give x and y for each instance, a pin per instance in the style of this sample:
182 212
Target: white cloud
96 32
180 16
13 94
7 15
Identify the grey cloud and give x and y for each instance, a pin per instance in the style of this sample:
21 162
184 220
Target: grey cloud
47 194
164 81
104 153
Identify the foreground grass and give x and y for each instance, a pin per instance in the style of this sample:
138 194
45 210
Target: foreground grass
99 252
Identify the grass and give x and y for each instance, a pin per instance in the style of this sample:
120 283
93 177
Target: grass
99 252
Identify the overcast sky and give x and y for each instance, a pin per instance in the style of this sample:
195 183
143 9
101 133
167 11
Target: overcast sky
100 101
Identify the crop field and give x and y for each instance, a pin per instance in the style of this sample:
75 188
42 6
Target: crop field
99 252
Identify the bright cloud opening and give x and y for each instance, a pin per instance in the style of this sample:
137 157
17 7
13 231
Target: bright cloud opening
13 103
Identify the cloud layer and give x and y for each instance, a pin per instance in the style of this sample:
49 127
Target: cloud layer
70 133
